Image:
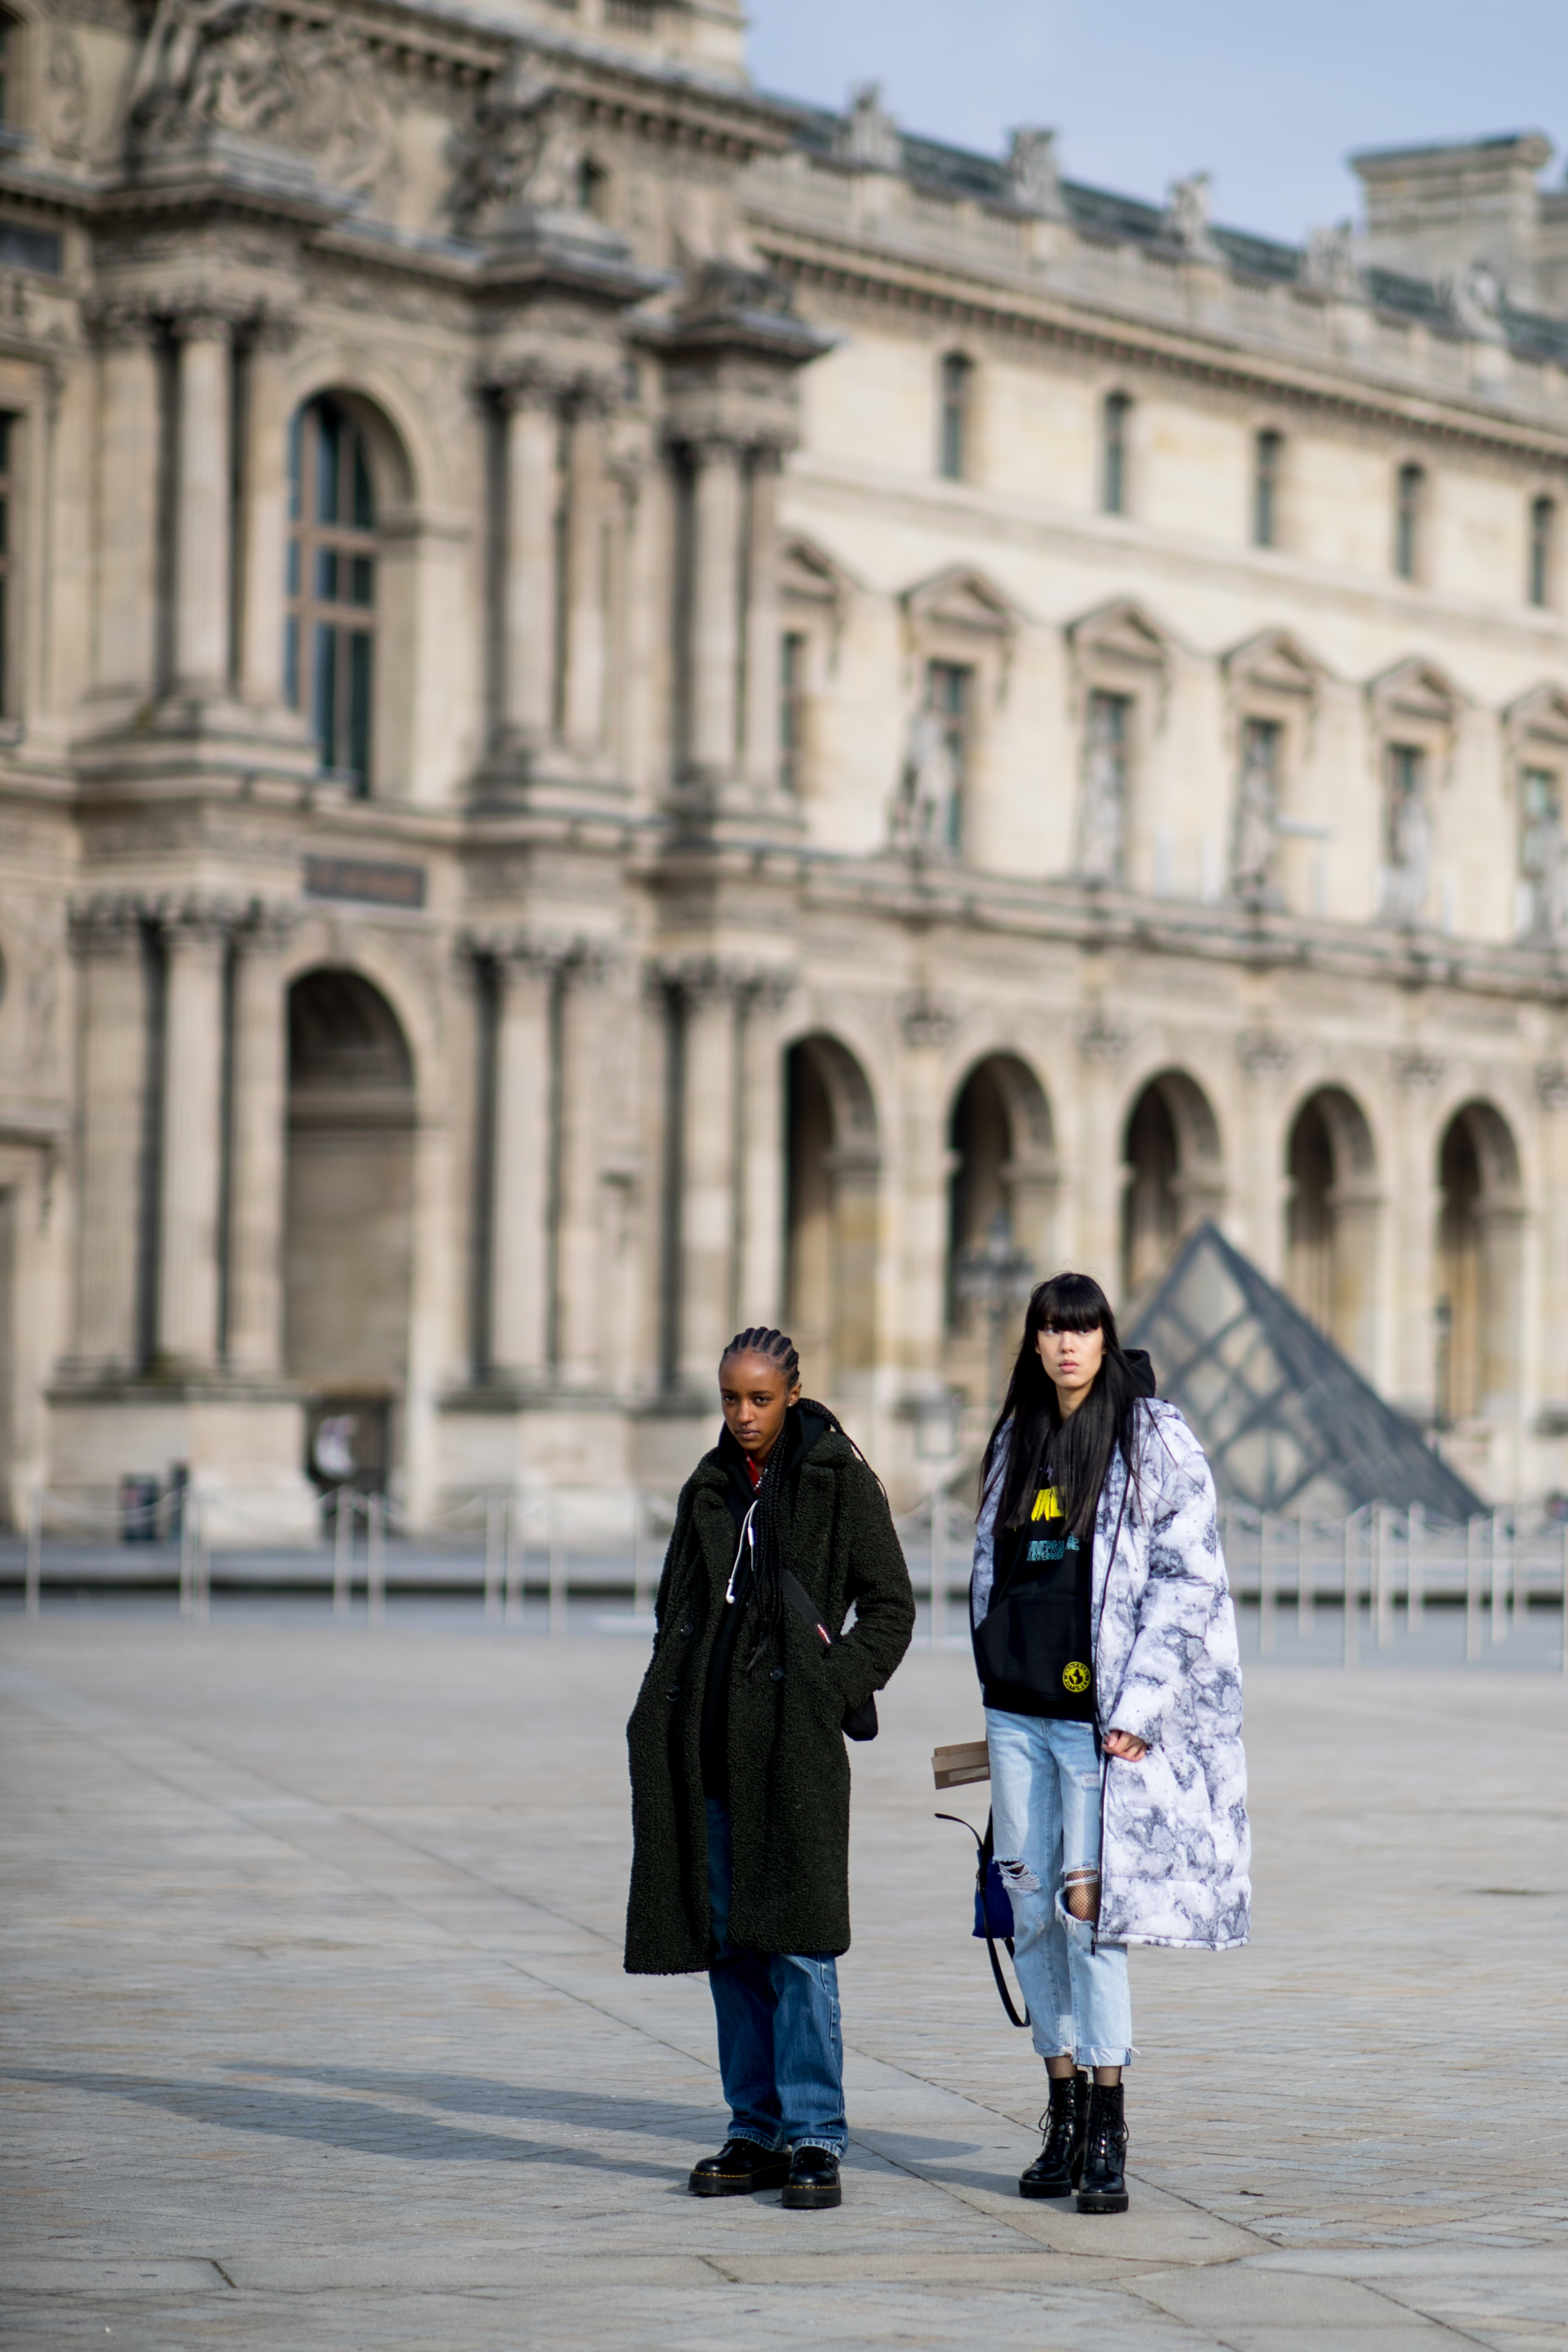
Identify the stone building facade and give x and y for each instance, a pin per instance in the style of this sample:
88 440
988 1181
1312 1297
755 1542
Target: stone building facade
629 707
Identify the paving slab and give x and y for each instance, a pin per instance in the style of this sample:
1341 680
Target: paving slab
316 2032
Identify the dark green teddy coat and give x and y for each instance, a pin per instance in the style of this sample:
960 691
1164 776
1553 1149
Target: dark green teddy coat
789 1775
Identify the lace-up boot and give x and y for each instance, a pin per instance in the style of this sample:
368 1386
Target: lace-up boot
1104 2187
1054 2171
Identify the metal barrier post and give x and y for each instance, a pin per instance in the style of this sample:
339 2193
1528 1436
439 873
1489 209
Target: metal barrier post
201 1560
492 1555
187 1562
342 1552
375 1557
1383 1573
1265 1586
1472 1589
1565 1597
557 1569
35 1579
938 1569
1415 1568
642 1598
1352 1590
516 1554
1304 1594
1499 1578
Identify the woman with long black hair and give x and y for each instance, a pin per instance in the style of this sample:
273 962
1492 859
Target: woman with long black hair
1106 1647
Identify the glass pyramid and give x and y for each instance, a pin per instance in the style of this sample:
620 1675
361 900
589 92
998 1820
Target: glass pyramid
1286 1421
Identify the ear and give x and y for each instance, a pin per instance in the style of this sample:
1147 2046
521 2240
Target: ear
793 1396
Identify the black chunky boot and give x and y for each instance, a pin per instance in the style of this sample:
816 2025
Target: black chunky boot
740 2167
1103 2189
1056 2170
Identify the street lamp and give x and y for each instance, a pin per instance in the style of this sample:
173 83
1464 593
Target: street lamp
936 1444
996 1276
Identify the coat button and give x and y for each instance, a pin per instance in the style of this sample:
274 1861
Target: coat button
687 1630
776 1675
673 1693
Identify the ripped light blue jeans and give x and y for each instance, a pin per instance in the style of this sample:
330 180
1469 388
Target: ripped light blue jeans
1045 1803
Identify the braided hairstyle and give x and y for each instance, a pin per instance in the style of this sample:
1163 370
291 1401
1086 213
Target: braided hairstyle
766 1599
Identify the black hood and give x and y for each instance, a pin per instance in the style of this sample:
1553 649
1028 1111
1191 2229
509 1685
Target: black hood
1142 1369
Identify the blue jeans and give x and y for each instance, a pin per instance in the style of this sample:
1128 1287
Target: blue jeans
1045 1803
781 2055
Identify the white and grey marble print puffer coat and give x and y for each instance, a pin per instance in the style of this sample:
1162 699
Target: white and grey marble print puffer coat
1177 1848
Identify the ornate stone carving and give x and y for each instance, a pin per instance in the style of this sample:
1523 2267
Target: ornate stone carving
223 65
105 925
1551 1085
926 807
1475 298
1187 216
1033 178
925 1019
1263 1054
1332 262
1101 1038
1407 873
869 135
522 150
1256 816
1417 1072
65 95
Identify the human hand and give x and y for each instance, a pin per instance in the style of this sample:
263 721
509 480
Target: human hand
1122 1744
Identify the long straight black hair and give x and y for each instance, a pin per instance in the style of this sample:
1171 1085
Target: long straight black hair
1080 1449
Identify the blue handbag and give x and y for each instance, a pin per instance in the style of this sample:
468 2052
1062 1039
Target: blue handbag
993 1908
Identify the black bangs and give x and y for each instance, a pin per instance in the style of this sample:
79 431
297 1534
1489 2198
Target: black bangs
1068 1302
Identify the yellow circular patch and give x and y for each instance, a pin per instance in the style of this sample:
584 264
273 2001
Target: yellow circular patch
1074 1677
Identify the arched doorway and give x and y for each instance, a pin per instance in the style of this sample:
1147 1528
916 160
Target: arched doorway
999 1215
348 1221
832 1163
1477 1307
1331 1222
1171 1174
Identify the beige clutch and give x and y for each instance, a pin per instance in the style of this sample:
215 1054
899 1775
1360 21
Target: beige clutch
969 1760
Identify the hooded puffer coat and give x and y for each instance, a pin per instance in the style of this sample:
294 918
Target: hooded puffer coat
789 1775
1175 1846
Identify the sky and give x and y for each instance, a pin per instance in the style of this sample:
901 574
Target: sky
1268 96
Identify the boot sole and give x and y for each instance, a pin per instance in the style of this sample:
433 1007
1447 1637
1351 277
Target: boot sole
706 2185
1039 2188
812 2200
1101 2202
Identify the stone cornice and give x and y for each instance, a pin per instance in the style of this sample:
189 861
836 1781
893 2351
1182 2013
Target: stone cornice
969 297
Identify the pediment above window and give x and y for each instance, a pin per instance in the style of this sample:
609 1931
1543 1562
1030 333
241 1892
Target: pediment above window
965 602
1276 663
809 575
1539 717
1121 632
1416 690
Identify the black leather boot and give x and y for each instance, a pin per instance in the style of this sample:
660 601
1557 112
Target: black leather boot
812 2181
1103 2189
739 2167
1054 2171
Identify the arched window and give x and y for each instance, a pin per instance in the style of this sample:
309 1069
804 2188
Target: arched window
1115 423
1409 504
1267 458
1542 550
330 635
957 386
594 189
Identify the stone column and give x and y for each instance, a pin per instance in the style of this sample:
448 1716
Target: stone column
520 1251
191 1156
202 518
1551 1089
714 645
709 1125
259 1124
763 652
106 935
586 523
265 491
532 407
126 652
577 1238
760 1275
928 1022
1418 1211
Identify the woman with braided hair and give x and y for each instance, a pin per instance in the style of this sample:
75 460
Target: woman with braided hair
739 1781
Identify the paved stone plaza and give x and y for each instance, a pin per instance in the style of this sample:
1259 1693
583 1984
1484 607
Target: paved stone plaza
317 2032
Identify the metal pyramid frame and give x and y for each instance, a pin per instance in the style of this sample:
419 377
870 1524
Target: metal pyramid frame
1286 1421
